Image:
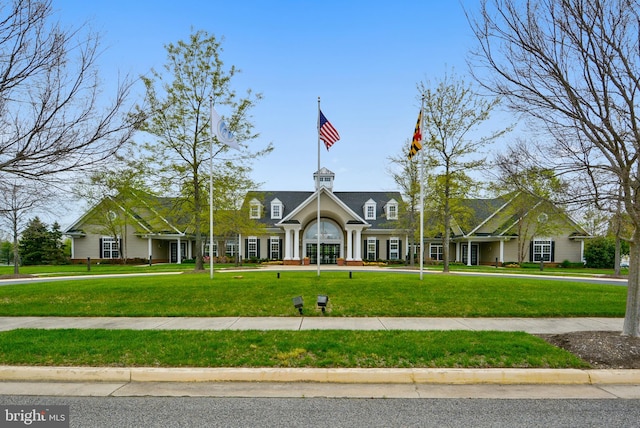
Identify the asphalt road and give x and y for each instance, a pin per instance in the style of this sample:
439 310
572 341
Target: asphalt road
148 412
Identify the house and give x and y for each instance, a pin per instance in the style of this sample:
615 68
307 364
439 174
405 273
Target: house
138 227
512 228
354 227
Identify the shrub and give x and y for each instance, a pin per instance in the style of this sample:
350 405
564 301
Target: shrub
599 253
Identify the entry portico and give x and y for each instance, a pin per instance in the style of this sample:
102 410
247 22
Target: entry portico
337 221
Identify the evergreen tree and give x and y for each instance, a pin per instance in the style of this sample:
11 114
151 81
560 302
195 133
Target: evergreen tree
34 243
41 245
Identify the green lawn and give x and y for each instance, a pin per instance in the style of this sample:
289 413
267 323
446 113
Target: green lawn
324 349
255 293
109 268
103 269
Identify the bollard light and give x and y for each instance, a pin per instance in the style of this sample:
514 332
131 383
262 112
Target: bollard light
298 303
322 302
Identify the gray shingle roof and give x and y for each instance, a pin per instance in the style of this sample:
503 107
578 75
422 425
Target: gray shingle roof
354 200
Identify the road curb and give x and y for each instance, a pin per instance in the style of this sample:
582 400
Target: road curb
338 375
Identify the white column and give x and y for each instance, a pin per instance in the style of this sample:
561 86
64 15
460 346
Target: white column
349 244
501 251
358 244
287 244
296 243
469 253
581 250
179 251
407 250
150 247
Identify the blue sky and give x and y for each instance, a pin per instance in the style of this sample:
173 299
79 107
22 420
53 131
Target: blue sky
363 58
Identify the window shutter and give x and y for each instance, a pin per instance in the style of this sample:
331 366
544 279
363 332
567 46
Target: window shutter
100 249
388 249
246 248
280 248
377 249
258 248
553 251
120 248
531 251
399 249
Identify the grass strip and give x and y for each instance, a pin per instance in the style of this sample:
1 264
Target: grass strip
117 268
264 294
321 349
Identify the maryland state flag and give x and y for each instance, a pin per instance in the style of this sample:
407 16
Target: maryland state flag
416 144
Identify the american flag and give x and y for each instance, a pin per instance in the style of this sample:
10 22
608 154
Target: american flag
328 133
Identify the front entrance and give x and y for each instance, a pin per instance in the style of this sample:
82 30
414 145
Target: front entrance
474 254
330 242
328 253
173 256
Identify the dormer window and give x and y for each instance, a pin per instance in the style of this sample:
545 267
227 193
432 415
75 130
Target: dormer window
392 210
276 209
370 210
255 209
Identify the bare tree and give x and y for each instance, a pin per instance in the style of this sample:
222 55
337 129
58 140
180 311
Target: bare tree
16 202
573 66
51 116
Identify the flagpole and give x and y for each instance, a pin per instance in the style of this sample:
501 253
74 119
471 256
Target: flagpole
422 189
318 190
211 196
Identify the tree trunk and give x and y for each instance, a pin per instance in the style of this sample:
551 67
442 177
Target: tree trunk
631 318
616 257
445 237
197 201
16 250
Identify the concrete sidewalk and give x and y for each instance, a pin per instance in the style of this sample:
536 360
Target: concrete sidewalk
528 325
284 382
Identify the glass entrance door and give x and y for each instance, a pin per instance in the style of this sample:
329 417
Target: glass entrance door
328 253
474 254
173 257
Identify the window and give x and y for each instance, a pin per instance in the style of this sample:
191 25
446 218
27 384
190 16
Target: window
370 210
542 250
276 209
394 249
274 248
110 248
255 209
206 251
252 247
328 231
436 252
372 254
232 249
392 210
